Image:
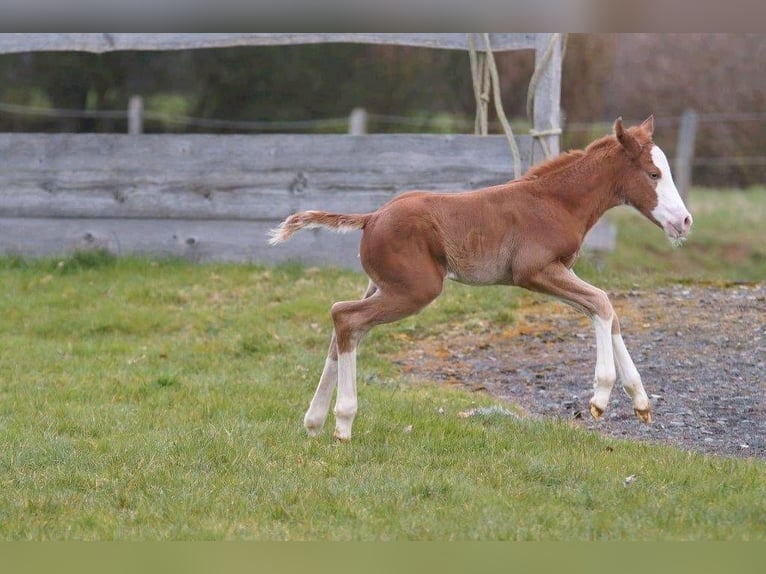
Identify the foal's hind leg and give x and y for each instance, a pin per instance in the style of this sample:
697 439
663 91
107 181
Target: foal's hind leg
353 319
317 412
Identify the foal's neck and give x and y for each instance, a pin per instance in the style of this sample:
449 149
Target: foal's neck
587 186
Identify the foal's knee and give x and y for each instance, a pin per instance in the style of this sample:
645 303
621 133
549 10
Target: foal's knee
605 377
602 307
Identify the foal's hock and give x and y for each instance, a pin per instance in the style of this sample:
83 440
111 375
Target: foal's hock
527 232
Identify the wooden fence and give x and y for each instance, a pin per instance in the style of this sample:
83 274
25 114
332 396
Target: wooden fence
214 197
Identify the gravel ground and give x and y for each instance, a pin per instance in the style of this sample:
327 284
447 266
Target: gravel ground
701 351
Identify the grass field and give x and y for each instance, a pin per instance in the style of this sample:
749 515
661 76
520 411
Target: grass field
148 400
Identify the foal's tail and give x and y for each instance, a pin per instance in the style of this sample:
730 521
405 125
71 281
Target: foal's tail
336 221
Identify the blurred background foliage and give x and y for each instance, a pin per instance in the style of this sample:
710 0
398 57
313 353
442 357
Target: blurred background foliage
605 75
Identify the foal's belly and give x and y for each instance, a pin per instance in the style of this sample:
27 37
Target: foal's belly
487 274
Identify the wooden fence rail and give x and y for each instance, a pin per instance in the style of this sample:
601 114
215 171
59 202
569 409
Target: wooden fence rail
106 42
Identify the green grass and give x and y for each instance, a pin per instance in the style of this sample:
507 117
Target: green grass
163 400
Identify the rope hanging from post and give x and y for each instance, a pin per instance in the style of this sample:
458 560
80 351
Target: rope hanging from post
480 77
485 75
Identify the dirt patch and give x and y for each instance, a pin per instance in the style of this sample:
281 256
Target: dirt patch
701 351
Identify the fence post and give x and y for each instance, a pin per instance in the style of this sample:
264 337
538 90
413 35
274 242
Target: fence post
135 115
687 132
357 122
547 95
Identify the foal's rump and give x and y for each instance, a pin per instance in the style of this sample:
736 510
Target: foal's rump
402 244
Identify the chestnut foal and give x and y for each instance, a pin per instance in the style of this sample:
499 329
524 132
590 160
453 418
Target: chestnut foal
527 232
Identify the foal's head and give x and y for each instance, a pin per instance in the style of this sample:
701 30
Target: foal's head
648 185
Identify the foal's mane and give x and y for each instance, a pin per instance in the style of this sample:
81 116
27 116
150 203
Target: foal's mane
554 164
567 158
602 146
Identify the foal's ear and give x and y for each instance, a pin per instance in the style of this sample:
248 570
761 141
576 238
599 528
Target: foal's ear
648 125
626 140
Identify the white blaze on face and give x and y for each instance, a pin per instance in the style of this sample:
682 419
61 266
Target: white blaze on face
670 211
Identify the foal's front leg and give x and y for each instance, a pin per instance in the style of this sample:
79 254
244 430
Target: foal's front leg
612 357
608 335
628 375
606 368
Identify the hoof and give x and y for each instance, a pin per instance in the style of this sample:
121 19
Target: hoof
313 427
341 437
644 415
596 412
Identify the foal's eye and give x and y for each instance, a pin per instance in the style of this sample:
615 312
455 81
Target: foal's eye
654 175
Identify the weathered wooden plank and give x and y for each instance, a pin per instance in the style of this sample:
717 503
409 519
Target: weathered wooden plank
234 176
109 42
547 95
195 240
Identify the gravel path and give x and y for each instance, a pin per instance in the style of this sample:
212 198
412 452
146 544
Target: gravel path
701 351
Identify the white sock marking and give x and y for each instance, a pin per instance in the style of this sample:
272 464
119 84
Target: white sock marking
320 403
605 368
629 376
345 404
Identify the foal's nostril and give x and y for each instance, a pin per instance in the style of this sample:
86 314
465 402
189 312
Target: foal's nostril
687 222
